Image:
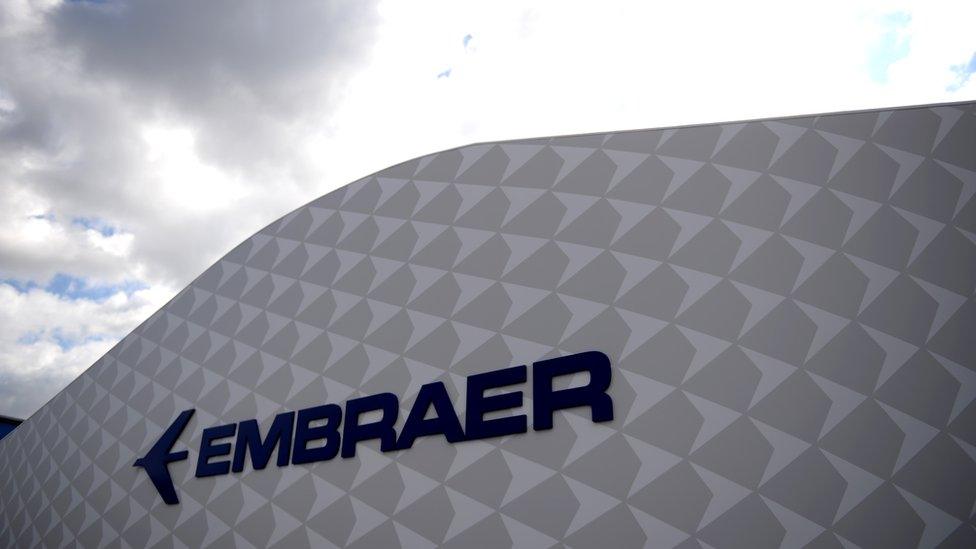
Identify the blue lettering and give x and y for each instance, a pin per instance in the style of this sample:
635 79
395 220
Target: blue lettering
478 404
445 423
329 432
249 440
210 450
353 432
292 433
594 394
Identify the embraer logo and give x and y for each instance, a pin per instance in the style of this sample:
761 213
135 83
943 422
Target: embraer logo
313 434
156 461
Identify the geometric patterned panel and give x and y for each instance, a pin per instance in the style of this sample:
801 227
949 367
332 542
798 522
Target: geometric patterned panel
789 306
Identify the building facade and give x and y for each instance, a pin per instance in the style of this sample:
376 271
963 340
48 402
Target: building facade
750 334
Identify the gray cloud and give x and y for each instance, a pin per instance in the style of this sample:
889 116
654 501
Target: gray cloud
80 83
84 78
21 395
243 72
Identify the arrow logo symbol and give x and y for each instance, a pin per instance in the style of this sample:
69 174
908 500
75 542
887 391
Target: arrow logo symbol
157 459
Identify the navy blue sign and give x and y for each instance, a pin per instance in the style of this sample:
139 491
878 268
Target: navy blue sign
319 433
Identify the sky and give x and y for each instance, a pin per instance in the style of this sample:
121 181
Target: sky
140 141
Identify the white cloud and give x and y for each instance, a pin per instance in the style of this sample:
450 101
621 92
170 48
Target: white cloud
35 245
139 141
185 127
46 341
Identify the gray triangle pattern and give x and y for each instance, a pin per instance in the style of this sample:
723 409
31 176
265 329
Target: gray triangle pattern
788 304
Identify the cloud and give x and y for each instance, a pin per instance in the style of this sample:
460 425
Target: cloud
35 247
963 72
140 141
893 44
163 121
47 340
241 73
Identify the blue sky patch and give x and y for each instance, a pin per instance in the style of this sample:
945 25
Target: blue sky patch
67 342
95 224
894 45
73 287
963 72
30 337
63 340
22 286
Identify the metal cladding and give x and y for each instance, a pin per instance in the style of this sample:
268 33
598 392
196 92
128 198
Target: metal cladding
787 305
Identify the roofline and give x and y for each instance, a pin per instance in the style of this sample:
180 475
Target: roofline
721 122
499 141
528 140
11 420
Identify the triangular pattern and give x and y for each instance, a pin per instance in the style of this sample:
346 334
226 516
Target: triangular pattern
788 305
